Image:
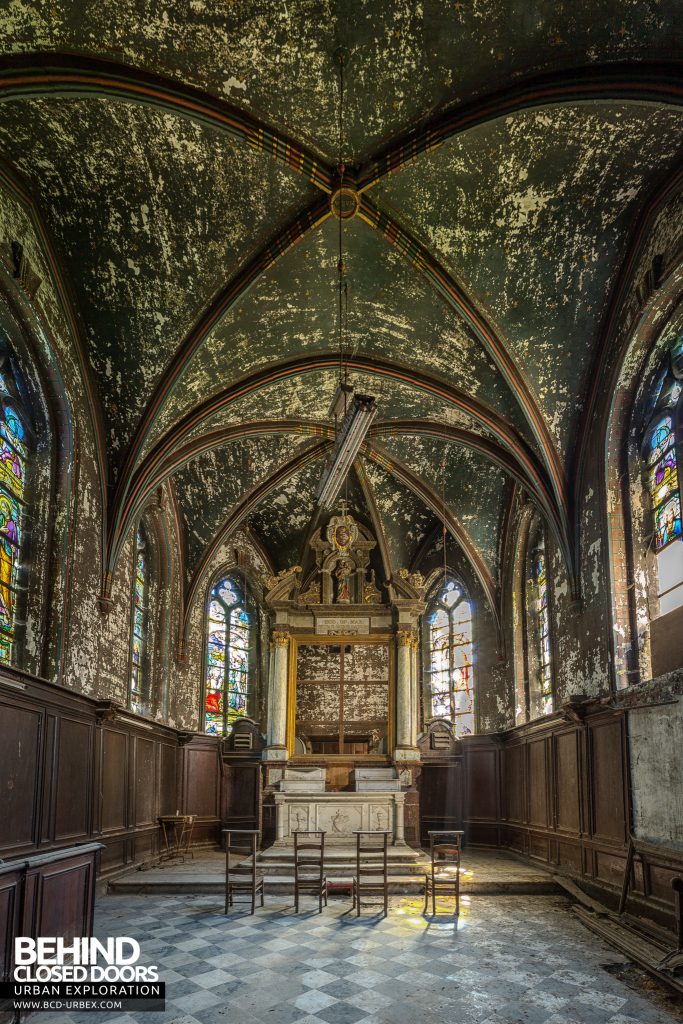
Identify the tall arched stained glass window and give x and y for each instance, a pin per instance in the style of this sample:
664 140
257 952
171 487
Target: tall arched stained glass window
139 633
13 454
227 657
451 682
541 612
663 483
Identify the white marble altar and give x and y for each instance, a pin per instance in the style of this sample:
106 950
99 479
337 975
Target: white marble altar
339 814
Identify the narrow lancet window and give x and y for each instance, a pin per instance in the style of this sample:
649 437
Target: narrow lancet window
227 657
451 684
139 634
13 455
663 484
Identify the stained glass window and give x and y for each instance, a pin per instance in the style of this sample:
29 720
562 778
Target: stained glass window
227 657
663 482
13 454
451 684
542 631
139 636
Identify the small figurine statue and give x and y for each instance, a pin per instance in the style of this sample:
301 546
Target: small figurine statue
343 572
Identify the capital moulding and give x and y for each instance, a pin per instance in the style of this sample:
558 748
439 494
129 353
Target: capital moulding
405 638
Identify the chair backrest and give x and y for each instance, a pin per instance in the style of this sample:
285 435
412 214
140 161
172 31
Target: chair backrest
245 842
445 847
368 842
309 850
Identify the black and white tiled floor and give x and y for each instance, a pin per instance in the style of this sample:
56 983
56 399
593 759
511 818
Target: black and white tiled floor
515 959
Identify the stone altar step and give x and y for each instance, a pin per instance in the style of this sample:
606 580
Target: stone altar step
405 883
340 851
484 873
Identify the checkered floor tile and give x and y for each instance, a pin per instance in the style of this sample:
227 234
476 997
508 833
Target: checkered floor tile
517 960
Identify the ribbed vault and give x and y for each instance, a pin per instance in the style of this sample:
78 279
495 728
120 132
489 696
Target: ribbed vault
180 166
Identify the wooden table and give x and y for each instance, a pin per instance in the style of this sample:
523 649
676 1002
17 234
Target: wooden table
172 827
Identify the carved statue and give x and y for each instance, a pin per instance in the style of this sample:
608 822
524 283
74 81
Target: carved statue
371 594
312 595
343 572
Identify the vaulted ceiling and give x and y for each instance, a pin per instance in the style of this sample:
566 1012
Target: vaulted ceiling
183 155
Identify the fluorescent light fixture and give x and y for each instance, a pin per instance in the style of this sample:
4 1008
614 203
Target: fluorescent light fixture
341 401
361 412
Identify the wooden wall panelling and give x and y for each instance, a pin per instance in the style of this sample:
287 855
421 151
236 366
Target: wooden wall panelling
10 915
441 797
167 774
241 795
48 804
567 779
114 780
21 739
482 790
201 790
146 782
73 790
76 769
608 776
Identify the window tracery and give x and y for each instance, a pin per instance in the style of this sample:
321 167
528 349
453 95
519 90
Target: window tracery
227 657
13 456
451 681
662 481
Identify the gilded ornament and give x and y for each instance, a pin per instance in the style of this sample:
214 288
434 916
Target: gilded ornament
280 638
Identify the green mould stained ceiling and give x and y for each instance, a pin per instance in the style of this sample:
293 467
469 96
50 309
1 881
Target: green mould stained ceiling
180 158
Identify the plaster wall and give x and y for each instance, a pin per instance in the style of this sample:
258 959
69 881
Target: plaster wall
656 749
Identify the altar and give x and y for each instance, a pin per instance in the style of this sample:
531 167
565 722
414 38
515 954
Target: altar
343 692
339 815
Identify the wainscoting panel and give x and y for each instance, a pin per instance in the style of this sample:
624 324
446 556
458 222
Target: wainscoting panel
565 782
75 769
20 761
71 767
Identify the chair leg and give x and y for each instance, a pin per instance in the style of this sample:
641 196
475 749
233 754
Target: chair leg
424 909
433 900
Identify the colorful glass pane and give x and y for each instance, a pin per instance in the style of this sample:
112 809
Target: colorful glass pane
668 521
227 667
450 667
663 477
661 438
13 454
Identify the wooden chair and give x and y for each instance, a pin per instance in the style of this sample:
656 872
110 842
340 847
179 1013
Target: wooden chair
309 866
444 877
242 877
368 845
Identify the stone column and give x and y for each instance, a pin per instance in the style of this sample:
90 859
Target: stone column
405 747
399 823
276 749
415 693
